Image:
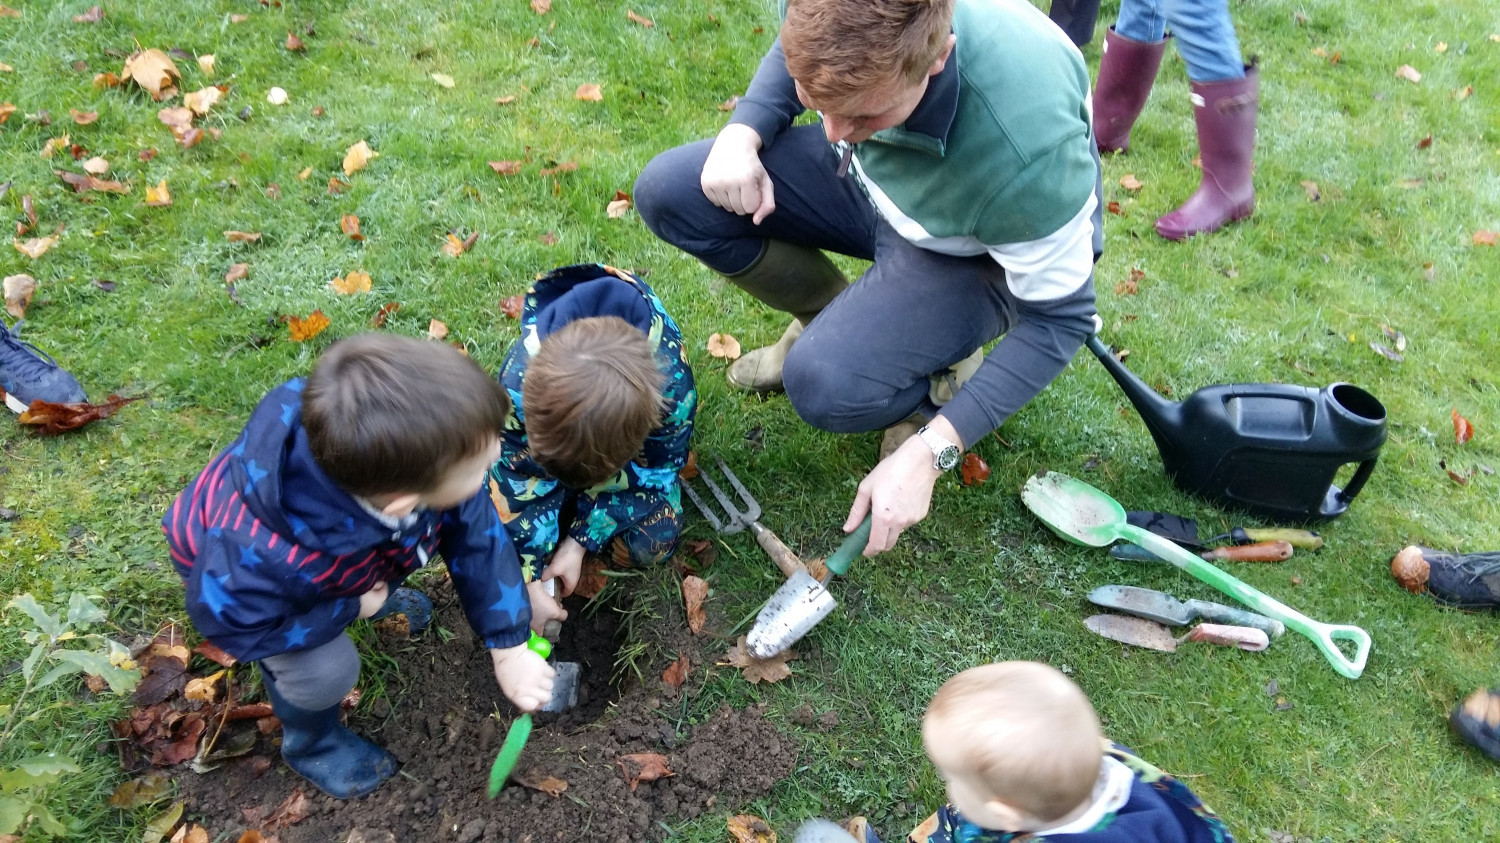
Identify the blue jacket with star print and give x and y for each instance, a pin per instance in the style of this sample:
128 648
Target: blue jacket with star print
275 555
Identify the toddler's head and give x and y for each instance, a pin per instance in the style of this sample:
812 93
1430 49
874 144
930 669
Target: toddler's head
1017 744
591 396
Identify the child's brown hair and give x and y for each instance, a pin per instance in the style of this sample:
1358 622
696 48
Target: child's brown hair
841 50
386 413
1028 733
591 395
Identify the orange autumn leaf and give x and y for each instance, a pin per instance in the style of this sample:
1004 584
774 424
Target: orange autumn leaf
689 468
589 92
506 100
1463 430
51 419
54 145
242 236
756 670
305 329
564 167
159 196
1132 285
357 157
1485 238
36 246
237 272
378 320
592 580
6 110
176 118
723 346
305 174
356 281
106 80
84 182
511 306
1130 182
349 224
436 329
1114 208
975 470
154 71
676 672
203 688
506 168
83 118
694 592
631 16
541 7
550 785
730 104
213 653
452 246
294 44
643 767
1409 73
202 100
206 64
748 828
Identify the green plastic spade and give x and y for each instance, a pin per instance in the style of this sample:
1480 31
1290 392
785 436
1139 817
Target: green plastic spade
1084 515
520 729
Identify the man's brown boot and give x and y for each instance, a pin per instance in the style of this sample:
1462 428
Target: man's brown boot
799 280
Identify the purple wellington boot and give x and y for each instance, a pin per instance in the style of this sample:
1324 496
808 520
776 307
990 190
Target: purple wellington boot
1126 73
1225 113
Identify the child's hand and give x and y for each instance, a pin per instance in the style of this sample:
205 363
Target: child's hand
524 677
371 601
566 564
543 607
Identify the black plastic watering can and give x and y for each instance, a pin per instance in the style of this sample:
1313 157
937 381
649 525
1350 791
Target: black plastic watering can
1270 448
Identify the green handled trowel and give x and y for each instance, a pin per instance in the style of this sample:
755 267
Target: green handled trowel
520 730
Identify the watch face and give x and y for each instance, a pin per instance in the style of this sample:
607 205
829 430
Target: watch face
947 458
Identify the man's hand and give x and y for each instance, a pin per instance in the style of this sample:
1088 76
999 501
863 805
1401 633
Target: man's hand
898 491
543 607
733 177
524 677
371 601
566 564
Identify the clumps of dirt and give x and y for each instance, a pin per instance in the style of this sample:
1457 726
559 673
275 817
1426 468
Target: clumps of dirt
446 719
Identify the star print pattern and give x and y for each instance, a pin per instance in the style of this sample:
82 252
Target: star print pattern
274 555
641 505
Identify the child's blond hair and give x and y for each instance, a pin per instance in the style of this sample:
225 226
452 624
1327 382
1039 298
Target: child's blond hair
1028 734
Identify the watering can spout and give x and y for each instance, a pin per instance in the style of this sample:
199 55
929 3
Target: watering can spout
1163 417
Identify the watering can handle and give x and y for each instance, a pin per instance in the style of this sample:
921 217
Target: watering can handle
1323 635
1357 482
842 558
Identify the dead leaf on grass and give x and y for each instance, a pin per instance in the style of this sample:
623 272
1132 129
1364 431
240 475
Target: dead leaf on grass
157 828
349 224
1409 73
158 196
36 246
975 470
1313 194
550 785
378 320
748 828
1463 429
18 292
723 346
694 592
106 80
643 767
152 787
83 118
153 71
1132 285
618 205
201 101
358 157
203 687
1464 93
293 809
237 272
756 670
294 44
1114 208
592 579
631 16
1387 353
1483 237
541 7
589 92
206 64
453 246
564 167
191 833
93 15
302 330
436 330
53 145
506 168
96 166
357 281
512 306
210 650
1130 182
443 79
242 236
506 100
676 672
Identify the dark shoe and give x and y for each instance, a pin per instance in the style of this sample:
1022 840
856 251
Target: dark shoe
410 602
29 374
1225 114
1126 72
1477 721
799 280
323 751
1468 581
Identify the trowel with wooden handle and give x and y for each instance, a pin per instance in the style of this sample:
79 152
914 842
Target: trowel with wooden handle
802 601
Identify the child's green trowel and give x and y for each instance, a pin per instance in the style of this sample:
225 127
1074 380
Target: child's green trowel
802 601
564 695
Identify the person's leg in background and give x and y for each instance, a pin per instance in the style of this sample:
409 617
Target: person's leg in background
1076 18
1133 49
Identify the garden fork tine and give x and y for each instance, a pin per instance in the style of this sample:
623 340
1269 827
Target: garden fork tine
736 519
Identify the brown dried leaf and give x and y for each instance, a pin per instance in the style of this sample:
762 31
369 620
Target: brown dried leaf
93 15
643 767
349 224
294 44
541 7
589 92
452 246
631 16
210 650
592 579
336 185
1460 479
1114 208
83 183
436 330
1463 430
550 785
1130 182
677 672
237 272
730 104
748 828
1409 73
83 118
1424 143
357 157
357 281
242 236
378 320
152 787
974 470
618 205
756 670
694 592
1485 238
18 292
723 346
36 246
1464 93
203 687
506 100
512 306
206 64
564 167
154 71
6 110
96 166
106 80
689 468
305 174
191 833
164 675
293 809
302 330
548 239
53 145
159 196
506 168
1313 194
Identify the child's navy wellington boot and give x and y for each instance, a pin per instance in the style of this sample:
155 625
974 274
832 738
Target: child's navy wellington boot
321 749
410 602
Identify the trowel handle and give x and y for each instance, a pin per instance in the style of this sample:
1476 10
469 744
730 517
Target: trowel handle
1322 634
775 548
1221 614
842 558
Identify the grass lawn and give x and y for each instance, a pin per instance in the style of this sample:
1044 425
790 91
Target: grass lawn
1295 294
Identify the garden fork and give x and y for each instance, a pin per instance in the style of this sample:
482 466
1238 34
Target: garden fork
735 519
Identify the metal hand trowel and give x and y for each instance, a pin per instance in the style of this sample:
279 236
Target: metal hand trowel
1164 608
802 601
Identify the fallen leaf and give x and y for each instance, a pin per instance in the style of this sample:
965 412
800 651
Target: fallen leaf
203 687
1424 142
512 306
83 118
1114 208
210 650
18 292
592 579
5 68
723 346
153 71
349 224
506 168
202 100
357 281
1464 93
1460 479
242 236
36 246
694 592
293 809
589 92
1429 271
730 104
305 174
564 167
302 330
676 672
1132 285
106 80
6 110
506 100
146 154
162 823
51 147
689 468
96 166
1485 238
631 16
1386 352
93 15
191 833
28 207
747 828
190 138
1409 73
237 272
1313 194
152 787
756 670
548 239
378 320
102 284
294 44
8 12
436 330
541 7
206 64
443 79
452 246
277 96
1440 47
1463 430
1130 182
158 197
975 470
176 118
238 18
643 767
357 157
550 785
1397 338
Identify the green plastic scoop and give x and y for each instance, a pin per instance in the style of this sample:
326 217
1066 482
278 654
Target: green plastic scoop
520 729
1084 515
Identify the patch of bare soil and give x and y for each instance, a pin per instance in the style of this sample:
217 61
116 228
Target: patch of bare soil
446 720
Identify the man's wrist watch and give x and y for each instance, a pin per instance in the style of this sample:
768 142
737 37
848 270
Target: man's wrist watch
945 454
